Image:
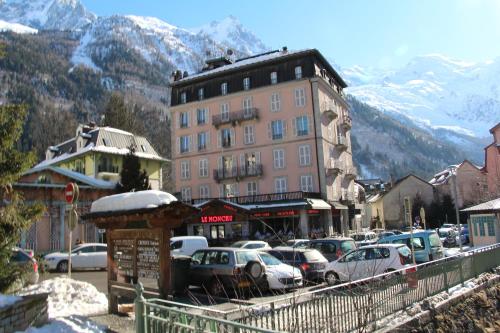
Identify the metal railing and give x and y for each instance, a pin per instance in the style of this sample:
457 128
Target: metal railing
235 117
238 172
265 198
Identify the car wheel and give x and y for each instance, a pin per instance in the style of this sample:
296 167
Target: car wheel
254 270
331 278
215 288
62 266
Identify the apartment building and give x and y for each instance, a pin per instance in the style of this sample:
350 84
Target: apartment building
266 133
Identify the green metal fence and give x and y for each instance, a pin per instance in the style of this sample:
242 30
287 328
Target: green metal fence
343 308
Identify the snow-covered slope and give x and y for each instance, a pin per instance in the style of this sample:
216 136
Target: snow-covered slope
231 33
435 92
16 27
46 14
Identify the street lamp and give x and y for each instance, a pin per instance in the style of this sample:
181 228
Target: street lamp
455 197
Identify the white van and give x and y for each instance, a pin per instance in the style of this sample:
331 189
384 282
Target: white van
187 245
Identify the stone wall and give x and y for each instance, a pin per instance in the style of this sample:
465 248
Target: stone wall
30 311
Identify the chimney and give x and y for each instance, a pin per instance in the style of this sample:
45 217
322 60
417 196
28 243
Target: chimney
285 49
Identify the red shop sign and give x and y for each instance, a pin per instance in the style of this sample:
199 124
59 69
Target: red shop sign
217 218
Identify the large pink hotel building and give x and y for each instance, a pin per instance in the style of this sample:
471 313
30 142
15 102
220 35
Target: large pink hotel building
269 136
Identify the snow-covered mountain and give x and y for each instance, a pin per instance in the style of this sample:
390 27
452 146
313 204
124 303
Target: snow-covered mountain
16 27
434 92
230 32
47 14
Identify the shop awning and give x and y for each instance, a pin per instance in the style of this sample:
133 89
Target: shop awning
319 204
338 205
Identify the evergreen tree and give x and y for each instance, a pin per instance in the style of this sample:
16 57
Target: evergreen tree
131 177
118 115
15 215
448 210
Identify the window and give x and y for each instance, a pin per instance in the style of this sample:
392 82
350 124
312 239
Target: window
201 94
275 102
224 111
184 119
183 98
482 231
274 77
202 115
491 228
306 183
247 106
184 144
298 72
279 158
226 137
197 231
229 190
302 125
223 88
252 188
304 155
280 185
202 141
186 194
217 231
204 192
185 170
300 97
246 83
277 130
249 136
203 167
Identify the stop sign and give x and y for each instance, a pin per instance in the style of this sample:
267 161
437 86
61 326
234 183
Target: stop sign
69 193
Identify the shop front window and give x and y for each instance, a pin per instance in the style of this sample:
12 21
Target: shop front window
198 230
217 232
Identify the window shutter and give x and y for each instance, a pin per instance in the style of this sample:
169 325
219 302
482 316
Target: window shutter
219 163
284 128
233 137
208 115
177 120
269 130
190 143
257 157
242 161
309 124
219 138
208 140
294 126
188 114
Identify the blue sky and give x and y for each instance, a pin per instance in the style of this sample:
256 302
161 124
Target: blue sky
384 33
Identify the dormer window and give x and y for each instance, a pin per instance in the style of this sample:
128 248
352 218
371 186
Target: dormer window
223 88
298 72
201 94
183 98
274 77
246 83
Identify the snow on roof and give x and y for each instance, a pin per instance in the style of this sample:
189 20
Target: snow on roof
245 62
492 205
319 204
132 201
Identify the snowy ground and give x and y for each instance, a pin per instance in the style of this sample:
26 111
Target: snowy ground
69 302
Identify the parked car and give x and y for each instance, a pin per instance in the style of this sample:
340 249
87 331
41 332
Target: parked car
85 256
221 270
333 248
426 244
297 243
384 234
279 275
448 236
311 262
186 245
251 245
365 238
25 260
368 261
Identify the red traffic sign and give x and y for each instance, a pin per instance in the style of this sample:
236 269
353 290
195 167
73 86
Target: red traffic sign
71 192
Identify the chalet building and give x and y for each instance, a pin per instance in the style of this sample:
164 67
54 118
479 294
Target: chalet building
93 160
265 133
484 223
472 187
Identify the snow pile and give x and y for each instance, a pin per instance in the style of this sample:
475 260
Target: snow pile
132 200
70 297
73 324
6 300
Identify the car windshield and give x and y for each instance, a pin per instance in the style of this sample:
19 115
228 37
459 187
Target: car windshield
358 237
238 244
243 257
313 255
347 246
434 240
404 251
76 249
269 260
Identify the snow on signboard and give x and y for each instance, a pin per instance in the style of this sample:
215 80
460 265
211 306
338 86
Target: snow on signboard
132 200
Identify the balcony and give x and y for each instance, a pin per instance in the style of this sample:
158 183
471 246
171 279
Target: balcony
329 109
250 171
346 121
238 173
333 167
341 143
236 117
351 172
225 174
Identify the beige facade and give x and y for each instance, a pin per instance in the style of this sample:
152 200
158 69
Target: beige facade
280 137
484 223
388 208
492 163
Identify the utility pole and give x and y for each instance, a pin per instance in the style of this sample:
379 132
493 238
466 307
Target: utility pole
455 197
409 222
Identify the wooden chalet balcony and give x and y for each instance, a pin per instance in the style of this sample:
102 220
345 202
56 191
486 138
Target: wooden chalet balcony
334 167
329 109
236 117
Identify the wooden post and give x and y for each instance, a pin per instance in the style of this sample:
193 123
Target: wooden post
113 299
164 281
